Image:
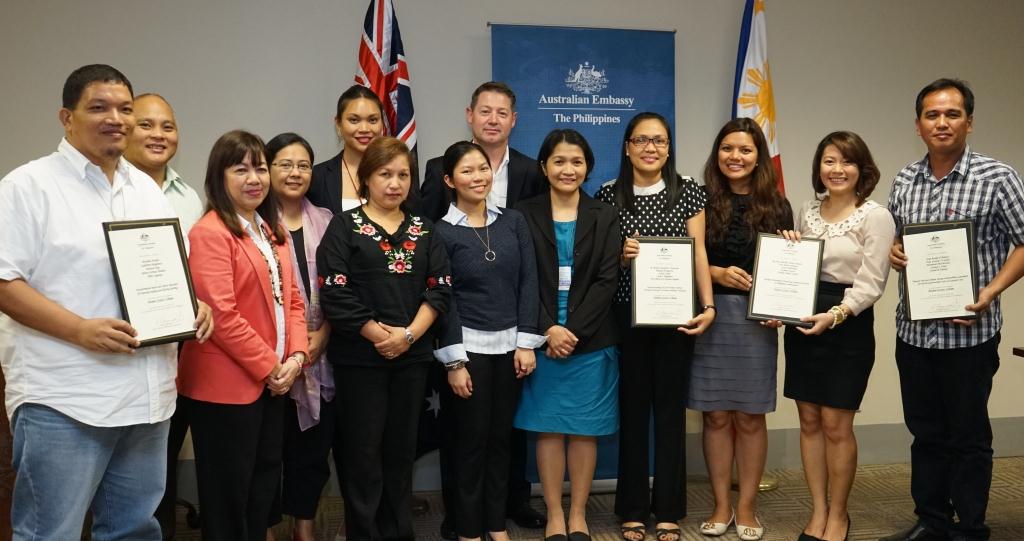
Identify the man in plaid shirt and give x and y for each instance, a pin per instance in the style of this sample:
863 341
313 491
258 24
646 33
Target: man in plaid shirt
946 367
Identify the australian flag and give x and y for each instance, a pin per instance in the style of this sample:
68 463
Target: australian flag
382 68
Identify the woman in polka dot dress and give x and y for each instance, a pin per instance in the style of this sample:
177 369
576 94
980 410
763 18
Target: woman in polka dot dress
654 364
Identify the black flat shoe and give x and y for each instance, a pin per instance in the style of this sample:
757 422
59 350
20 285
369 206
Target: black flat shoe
807 537
556 537
448 530
579 536
527 517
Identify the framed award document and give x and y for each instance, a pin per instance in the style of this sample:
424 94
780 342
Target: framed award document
786 275
154 285
663 282
941 275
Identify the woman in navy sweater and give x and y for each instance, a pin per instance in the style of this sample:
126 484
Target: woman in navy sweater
490 333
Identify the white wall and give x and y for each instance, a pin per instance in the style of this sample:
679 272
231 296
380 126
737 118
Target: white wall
278 66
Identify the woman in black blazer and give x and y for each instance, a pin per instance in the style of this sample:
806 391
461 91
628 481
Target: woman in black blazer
358 121
573 394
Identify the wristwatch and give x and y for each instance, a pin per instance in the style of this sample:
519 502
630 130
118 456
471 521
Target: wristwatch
409 337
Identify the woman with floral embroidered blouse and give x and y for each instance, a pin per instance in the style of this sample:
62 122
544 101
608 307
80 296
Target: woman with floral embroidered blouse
384 279
827 365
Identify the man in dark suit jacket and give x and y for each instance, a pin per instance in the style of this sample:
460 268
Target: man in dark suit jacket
491 115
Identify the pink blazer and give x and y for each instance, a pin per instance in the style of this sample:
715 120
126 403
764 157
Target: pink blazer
231 275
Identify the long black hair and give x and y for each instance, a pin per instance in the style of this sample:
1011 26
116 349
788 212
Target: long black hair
768 210
623 188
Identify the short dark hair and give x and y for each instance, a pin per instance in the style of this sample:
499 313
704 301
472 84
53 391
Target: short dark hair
287 139
853 148
380 152
942 84
570 137
451 158
84 76
493 86
231 149
354 93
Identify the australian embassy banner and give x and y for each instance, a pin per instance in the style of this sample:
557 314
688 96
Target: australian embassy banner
592 80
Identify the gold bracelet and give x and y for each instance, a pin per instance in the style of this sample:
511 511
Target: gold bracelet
838 316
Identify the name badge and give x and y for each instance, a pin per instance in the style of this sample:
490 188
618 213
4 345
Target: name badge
564 278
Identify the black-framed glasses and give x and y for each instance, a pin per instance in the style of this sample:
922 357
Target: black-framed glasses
640 141
287 166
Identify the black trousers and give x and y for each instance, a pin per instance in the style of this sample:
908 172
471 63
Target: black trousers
483 430
518 494
945 405
165 512
238 464
378 414
305 456
654 372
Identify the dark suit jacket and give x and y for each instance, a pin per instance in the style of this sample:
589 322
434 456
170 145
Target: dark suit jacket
595 270
524 182
325 187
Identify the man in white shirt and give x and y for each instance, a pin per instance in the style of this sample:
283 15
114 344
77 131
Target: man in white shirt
89 408
491 115
151 145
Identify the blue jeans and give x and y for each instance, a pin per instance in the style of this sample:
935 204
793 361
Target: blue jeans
65 467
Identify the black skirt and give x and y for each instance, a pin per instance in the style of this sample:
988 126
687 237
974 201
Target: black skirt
831 369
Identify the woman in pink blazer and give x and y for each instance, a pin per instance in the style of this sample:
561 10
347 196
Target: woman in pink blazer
233 385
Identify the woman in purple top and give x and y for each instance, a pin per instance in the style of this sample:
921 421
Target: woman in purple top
309 416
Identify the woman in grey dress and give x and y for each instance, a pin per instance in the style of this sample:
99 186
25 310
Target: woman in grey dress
732 380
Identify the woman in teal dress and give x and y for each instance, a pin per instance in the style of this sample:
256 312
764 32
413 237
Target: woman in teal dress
573 394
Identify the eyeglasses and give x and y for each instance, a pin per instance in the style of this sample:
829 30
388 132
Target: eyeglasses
286 166
641 141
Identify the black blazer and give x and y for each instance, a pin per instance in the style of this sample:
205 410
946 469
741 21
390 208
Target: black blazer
595 270
524 182
325 186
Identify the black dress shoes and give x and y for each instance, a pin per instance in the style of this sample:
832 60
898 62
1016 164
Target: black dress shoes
917 533
448 530
527 517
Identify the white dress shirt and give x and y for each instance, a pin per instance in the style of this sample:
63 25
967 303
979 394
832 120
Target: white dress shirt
499 184
477 341
51 236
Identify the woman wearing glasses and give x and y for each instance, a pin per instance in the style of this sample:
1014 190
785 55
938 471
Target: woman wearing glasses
309 415
654 365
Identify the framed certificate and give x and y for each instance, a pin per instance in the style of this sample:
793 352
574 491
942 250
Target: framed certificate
154 285
941 275
663 282
786 275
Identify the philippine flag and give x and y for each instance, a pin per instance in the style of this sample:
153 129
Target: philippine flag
752 91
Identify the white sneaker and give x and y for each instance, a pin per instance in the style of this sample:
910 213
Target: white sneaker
750 533
715 529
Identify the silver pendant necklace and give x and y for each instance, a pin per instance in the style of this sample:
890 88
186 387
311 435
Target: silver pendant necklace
489 254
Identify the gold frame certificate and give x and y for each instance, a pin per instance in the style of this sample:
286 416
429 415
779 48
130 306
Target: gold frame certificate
663 282
786 276
941 275
154 285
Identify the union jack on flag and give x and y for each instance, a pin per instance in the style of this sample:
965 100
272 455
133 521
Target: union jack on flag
382 68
